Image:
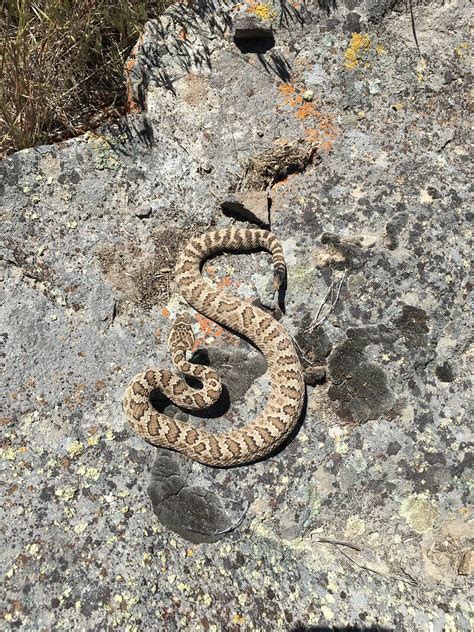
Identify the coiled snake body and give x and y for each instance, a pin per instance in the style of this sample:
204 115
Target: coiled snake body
269 429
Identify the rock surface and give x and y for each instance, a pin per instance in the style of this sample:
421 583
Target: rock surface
362 519
251 26
249 205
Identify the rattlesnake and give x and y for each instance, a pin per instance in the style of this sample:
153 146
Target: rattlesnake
269 429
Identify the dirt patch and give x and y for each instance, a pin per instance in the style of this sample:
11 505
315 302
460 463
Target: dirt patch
142 274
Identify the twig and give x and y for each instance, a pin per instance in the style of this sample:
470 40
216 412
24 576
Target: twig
413 580
323 302
214 194
371 569
367 568
413 27
300 350
224 531
338 543
334 300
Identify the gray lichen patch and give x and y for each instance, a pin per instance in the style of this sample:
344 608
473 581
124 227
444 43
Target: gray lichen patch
359 386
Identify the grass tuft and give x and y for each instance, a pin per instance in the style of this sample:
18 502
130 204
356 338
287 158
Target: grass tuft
61 65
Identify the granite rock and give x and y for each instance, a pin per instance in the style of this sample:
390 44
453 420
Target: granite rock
361 521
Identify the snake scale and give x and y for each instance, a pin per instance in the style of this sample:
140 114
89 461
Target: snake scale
269 429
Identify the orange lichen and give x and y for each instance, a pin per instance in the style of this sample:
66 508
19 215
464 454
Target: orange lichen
323 131
291 96
286 88
305 110
208 327
165 312
224 282
323 136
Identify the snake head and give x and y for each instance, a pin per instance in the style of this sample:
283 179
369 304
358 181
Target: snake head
181 337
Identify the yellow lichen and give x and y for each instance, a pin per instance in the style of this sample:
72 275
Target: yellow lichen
75 448
358 47
93 440
33 550
66 493
327 613
89 472
263 11
420 513
10 454
80 528
461 50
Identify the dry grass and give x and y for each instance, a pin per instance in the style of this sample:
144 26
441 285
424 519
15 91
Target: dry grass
61 65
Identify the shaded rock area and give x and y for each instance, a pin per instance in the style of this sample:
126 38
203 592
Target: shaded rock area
251 205
196 513
362 520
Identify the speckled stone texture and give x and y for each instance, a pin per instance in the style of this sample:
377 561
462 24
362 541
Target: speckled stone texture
361 520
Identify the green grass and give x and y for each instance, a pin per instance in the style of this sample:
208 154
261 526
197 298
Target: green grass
62 65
